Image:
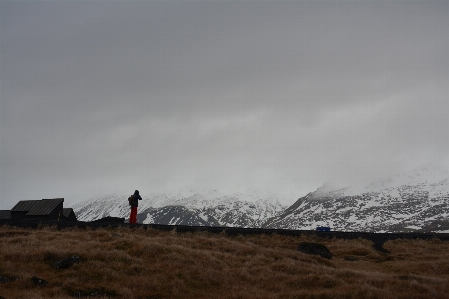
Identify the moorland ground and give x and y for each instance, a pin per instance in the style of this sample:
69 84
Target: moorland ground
147 263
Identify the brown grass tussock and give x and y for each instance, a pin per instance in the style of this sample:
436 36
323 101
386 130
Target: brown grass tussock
138 263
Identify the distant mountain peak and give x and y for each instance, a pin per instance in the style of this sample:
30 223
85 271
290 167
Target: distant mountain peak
417 199
189 207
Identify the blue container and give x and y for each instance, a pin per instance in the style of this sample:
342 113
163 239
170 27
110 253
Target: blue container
323 229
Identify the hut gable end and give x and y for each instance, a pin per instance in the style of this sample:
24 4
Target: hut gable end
5 215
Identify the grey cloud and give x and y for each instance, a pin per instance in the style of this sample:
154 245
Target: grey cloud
98 96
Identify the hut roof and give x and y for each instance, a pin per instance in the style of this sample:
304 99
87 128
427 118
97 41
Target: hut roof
37 207
66 211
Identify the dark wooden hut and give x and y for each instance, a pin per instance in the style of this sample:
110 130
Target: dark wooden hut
69 214
45 209
5 215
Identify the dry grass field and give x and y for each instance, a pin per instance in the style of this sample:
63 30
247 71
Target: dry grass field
138 263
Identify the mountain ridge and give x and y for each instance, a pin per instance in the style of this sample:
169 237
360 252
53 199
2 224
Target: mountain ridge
208 208
414 201
417 200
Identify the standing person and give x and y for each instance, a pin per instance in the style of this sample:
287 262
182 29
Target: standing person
134 204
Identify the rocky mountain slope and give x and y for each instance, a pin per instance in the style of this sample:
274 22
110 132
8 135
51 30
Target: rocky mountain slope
205 207
415 201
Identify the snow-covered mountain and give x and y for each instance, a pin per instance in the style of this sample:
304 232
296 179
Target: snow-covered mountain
189 207
415 201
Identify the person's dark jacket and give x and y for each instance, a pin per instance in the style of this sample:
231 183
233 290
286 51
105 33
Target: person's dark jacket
137 197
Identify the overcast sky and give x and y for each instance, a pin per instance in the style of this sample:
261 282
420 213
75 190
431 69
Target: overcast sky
112 96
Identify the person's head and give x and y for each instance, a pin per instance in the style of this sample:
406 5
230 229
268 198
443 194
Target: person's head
136 192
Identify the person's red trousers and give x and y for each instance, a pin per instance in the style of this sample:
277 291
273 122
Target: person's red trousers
133 216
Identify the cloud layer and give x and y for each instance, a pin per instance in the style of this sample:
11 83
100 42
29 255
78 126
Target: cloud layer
111 96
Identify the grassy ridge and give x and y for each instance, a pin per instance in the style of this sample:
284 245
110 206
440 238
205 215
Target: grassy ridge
138 263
